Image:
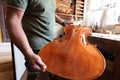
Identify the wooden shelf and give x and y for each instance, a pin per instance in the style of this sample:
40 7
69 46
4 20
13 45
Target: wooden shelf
80 5
75 8
79 9
64 14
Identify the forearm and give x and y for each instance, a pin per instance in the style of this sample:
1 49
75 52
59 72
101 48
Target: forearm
58 19
18 36
62 22
16 33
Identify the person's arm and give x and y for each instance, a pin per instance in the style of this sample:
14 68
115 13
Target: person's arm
61 21
18 37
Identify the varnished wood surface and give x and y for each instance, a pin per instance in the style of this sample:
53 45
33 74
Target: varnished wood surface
5 59
6 71
73 57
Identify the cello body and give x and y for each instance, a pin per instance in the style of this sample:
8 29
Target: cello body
72 56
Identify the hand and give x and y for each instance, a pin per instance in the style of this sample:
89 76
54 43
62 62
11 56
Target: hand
36 63
67 23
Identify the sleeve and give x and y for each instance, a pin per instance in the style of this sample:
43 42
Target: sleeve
18 4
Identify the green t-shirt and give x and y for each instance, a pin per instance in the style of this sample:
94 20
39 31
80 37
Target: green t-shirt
38 21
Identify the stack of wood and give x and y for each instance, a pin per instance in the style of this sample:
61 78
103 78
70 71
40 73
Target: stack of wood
63 6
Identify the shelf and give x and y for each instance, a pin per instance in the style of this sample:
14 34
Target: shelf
64 16
79 10
75 8
80 5
79 13
80 2
80 16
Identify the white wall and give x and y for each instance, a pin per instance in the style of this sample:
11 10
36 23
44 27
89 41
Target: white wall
5 49
96 12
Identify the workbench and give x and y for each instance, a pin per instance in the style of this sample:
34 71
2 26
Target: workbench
110 44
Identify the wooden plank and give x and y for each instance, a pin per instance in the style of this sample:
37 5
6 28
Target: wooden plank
5 59
8 75
6 67
6 71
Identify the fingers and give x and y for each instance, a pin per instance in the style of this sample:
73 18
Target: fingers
39 67
37 64
42 65
67 23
